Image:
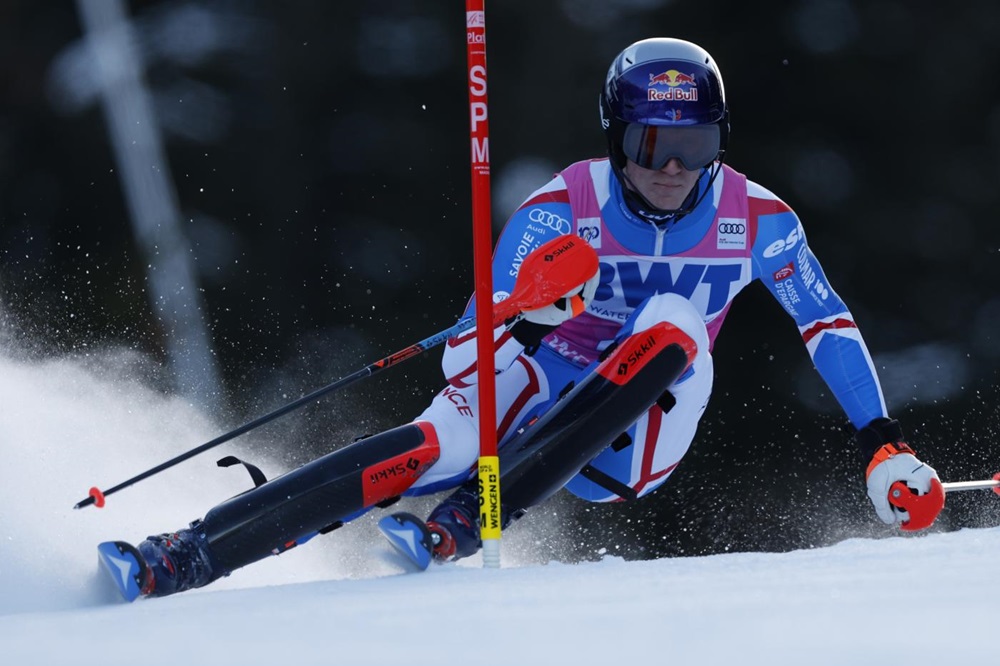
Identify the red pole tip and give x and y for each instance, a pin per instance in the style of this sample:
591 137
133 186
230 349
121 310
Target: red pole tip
98 496
996 477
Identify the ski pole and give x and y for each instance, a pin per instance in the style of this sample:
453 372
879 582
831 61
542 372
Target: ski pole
923 509
96 496
989 484
546 274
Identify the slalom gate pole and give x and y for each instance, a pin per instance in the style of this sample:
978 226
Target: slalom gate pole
482 240
96 496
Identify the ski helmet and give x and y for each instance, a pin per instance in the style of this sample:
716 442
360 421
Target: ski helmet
663 98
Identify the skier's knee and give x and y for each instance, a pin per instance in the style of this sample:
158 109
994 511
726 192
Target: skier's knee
675 310
458 437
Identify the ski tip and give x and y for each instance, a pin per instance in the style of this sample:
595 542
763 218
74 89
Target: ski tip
410 536
124 566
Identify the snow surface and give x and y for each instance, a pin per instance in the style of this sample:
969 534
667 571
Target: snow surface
67 425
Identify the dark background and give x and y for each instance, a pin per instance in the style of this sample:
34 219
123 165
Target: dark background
320 155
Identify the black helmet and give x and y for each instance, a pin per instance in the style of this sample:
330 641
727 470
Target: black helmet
656 87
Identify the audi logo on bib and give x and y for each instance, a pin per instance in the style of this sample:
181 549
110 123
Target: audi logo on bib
732 234
541 216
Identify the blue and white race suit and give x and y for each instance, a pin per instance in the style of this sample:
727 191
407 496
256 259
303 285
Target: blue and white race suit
687 273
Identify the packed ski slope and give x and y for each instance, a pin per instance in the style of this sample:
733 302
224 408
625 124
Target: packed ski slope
344 599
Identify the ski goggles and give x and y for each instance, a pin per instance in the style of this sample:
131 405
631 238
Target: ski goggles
652 146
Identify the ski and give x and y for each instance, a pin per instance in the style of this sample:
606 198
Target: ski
410 537
124 566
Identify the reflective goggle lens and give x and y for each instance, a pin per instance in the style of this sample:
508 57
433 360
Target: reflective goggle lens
652 146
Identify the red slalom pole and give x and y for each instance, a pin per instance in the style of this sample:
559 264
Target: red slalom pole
482 241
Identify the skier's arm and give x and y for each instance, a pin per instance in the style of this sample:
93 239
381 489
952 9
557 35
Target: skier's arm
544 217
785 264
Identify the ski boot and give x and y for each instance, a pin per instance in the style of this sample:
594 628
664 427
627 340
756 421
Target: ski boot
178 561
454 525
451 532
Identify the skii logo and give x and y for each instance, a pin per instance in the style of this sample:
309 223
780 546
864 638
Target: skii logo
635 353
785 272
394 470
680 87
635 356
645 347
559 250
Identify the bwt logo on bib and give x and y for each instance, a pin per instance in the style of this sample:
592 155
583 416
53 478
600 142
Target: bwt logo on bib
560 225
633 282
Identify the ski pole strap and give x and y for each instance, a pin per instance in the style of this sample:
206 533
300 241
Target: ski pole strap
258 476
885 452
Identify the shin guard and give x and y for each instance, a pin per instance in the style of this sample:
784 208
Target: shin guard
269 518
586 420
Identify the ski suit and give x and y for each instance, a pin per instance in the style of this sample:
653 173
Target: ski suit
686 272
680 275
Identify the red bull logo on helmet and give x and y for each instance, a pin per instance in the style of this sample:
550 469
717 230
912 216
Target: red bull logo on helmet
679 87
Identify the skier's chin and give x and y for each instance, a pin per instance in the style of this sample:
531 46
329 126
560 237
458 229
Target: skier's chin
667 196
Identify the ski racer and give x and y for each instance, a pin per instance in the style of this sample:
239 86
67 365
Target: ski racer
600 390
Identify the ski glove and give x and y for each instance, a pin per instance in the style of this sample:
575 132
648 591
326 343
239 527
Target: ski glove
903 490
536 324
572 303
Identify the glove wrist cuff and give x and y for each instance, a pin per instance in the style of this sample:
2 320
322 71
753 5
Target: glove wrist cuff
885 452
877 433
530 334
